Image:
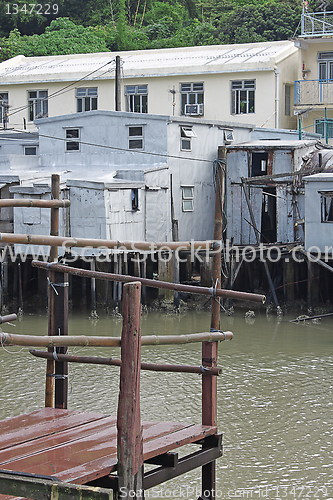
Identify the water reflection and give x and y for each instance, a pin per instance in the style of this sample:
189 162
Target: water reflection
275 396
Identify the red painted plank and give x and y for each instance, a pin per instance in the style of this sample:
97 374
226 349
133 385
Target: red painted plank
80 452
176 439
55 440
44 414
44 427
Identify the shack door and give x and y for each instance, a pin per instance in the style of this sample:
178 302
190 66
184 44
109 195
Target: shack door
268 215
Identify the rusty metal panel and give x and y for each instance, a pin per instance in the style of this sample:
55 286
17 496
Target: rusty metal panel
281 214
248 236
235 214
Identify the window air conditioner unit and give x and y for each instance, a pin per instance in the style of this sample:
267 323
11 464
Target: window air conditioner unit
228 136
194 109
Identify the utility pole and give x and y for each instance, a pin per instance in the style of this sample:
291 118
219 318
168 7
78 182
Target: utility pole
117 89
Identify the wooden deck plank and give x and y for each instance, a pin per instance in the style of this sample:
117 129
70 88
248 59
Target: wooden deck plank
77 447
176 439
26 419
55 439
182 434
44 427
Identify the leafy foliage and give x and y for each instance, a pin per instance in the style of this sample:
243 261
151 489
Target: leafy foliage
99 25
61 37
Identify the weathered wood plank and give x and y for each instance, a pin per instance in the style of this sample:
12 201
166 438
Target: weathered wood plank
41 489
61 436
33 428
176 439
129 435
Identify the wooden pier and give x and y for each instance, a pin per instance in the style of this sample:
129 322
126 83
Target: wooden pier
59 454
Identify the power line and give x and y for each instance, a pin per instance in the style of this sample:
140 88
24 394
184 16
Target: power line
115 148
62 90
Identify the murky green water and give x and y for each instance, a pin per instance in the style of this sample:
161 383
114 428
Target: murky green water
274 398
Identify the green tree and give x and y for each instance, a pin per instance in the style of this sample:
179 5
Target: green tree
27 17
61 37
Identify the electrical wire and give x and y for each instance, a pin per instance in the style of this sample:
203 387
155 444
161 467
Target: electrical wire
115 148
63 90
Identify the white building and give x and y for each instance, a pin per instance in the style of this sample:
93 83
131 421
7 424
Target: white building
314 84
249 82
122 172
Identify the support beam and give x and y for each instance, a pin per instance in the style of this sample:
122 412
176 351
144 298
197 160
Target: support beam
19 485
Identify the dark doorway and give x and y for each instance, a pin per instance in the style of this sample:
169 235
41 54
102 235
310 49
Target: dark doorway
268 215
259 164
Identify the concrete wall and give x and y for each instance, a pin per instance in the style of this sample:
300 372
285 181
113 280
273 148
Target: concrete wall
105 140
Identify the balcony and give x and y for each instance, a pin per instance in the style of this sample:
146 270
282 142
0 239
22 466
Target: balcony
314 93
316 24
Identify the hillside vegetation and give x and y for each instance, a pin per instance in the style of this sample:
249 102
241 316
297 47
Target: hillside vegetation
82 26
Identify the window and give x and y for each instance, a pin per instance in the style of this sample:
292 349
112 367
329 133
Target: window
37 104
326 206
287 96
320 128
135 137
135 199
242 96
191 93
186 134
325 65
72 139
137 98
187 198
30 150
4 108
86 99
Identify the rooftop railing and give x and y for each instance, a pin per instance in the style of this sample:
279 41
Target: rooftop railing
317 24
313 92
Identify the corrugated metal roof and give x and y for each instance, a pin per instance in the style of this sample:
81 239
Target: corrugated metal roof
198 60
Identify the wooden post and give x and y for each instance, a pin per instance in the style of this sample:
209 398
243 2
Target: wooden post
60 325
309 294
49 386
129 429
209 349
93 311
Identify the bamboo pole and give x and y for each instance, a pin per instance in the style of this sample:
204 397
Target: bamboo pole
8 318
34 203
153 283
94 360
134 246
82 340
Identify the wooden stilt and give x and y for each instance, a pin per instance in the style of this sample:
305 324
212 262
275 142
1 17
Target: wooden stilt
20 294
60 326
209 349
144 288
115 284
309 295
4 275
93 313
129 429
49 386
